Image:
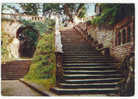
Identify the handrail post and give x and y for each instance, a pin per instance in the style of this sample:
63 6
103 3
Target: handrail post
58 53
59 67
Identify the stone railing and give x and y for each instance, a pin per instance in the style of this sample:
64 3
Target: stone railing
82 29
58 52
128 81
22 16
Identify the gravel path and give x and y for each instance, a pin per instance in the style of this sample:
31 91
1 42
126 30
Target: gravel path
16 88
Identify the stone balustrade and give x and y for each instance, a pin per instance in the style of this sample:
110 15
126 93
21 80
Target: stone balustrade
82 29
58 52
22 16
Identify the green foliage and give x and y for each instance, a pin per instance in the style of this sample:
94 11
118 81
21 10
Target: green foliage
113 13
6 7
43 65
31 33
30 8
48 8
67 9
45 27
31 36
82 11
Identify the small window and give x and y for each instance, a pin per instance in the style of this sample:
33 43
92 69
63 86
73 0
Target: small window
119 38
116 39
124 36
128 35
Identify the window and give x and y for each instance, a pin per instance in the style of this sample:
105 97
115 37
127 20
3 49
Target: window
128 35
116 39
124 36
119 38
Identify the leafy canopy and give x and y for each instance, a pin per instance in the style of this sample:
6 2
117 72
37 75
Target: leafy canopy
113 13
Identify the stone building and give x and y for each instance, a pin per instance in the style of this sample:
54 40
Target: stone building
118 38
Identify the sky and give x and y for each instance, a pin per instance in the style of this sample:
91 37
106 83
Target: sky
90 9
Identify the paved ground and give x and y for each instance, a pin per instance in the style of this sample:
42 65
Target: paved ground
16 88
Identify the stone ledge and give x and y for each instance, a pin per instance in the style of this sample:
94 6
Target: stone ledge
37 88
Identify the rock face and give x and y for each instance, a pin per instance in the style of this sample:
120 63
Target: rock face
9 40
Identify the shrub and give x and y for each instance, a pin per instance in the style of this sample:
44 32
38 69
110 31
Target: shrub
43 65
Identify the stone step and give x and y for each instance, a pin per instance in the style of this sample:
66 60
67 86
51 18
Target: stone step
89 51
88 55
97 80
13 77
67 56
71 39
89 68
80 42
73 48
83 53
62 91
89 64
76 46
90 76
89 85
91 72
77 49
88 61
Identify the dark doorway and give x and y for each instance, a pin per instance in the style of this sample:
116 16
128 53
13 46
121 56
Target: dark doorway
28 37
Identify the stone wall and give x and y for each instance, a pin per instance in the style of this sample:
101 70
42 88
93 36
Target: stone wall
121 50
10 27
23 16
9 40
102 35
107 36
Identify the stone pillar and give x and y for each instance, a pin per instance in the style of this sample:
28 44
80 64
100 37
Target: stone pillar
59 67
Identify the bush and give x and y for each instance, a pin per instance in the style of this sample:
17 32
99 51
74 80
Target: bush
43 65
42 27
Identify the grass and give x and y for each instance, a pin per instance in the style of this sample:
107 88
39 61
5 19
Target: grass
43 68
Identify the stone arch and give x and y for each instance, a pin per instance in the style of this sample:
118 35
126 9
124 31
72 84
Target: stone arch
27 41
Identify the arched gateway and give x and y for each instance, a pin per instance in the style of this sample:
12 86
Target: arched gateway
27 37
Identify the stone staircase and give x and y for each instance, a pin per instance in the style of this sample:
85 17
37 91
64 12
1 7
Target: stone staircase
15 70
86 71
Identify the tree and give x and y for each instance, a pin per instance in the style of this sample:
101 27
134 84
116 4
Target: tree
113 13
30 8
48 8
8 7
81 11
68 9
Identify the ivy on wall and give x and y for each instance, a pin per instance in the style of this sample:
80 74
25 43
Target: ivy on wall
113 13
